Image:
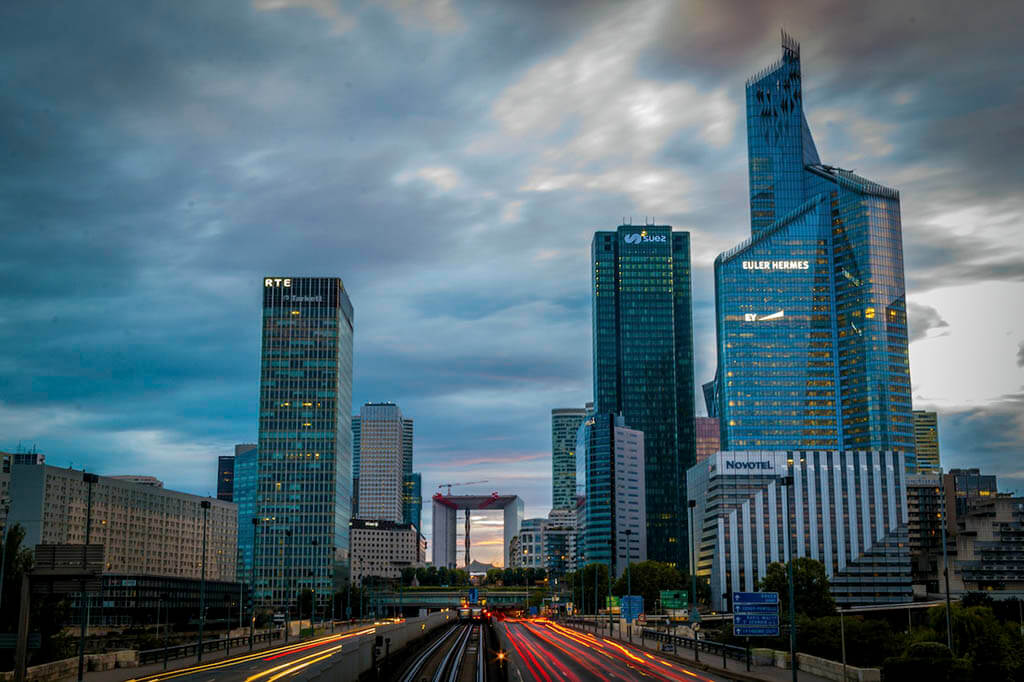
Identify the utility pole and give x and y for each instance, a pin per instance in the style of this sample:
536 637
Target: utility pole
252 583
629 583
693 581
205 506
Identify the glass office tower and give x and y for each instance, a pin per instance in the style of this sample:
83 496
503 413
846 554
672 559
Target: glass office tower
246 496
565 422
305 439
643 364
811 309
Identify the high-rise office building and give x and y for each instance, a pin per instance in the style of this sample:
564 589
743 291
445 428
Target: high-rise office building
811 309
565 422
357 436
643 364
305 440
246 494
381 453
225 477
926 442
407 432
610 466
412 500
708 437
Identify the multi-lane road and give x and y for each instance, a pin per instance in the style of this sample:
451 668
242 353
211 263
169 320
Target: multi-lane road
312 659
549 652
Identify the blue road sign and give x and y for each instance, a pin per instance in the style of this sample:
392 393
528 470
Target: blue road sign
631 607
755 614
474 595
754 631
755 598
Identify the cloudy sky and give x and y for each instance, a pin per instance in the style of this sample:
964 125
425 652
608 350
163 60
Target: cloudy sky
450 161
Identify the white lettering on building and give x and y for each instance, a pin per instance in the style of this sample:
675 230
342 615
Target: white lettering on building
277 281
776 265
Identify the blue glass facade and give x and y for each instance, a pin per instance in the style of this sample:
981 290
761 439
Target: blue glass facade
412 499
595 462
246 477
643 364
811 309
304 493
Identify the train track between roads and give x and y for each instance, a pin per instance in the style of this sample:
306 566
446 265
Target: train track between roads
457 655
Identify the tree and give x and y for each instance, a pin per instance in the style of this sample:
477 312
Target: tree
585 576
810 587
648 579
928 661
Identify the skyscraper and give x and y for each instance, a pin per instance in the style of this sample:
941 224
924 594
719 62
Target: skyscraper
305 439
565 422
412 500
708 434
926 442
246 494
643 364
357 435
811 311
381 453
225 477
407 445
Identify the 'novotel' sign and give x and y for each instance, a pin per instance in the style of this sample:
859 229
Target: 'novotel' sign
277 281
759 465
776 265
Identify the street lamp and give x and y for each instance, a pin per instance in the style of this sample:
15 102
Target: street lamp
89 479
693 581
787 482
205 505
629 584
312 581
252 583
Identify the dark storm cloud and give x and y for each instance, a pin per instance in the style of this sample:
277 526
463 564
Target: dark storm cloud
921 319
1020 354
449 161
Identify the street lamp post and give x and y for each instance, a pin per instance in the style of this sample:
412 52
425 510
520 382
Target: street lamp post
89 479
629 584
252 583
167 625
205 505
787 481
312 581
286 587
693 580
945 568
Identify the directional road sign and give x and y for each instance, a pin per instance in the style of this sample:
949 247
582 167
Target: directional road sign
675 599
632 606
755 614
474 595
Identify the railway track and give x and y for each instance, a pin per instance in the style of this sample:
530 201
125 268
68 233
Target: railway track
457 655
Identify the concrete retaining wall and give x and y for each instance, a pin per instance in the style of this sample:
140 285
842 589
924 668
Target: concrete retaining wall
832 670
68 668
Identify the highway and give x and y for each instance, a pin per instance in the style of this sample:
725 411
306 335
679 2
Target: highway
553 653
306 660
457 655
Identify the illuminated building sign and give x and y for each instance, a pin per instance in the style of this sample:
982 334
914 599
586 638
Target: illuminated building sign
277 281
759 465
643 237
776 265
754 317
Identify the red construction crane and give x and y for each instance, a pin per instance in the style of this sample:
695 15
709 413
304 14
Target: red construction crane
452 485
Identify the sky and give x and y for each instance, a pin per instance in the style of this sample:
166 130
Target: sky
450 161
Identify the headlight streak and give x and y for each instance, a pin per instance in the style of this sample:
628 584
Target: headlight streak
289 664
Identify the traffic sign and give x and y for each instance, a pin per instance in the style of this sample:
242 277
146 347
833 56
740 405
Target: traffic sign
675 599
474 595
755 614
632 607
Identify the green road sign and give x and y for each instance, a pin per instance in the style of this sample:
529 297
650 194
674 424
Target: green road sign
612 602
675 599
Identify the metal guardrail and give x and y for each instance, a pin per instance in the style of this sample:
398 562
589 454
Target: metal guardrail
192 648
715 648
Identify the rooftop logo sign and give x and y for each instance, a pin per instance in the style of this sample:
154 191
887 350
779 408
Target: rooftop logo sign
755 466
277 281
642 237
754 317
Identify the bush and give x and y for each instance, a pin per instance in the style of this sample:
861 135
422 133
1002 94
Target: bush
927 661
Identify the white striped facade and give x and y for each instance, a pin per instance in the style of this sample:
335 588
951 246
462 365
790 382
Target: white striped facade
847 510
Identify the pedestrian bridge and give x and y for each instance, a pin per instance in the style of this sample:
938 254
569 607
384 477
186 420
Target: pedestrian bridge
442 598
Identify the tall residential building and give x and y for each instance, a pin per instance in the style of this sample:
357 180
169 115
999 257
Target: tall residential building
565 422
305 440
811 309
144 529
708 437
381 452
643 364
610 463
246 494
847 510
531 544
924 531
926 440
560 541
